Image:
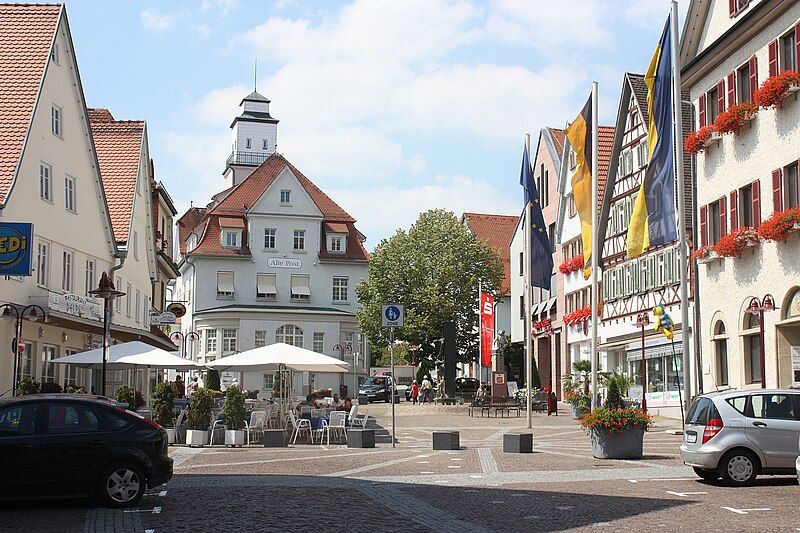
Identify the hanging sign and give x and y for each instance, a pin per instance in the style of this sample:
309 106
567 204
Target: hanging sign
487 328
16 239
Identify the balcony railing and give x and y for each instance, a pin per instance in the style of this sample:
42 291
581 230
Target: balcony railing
247 158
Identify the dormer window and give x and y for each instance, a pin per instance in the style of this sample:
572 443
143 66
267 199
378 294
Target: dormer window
286 197
337 244
231 238
264 145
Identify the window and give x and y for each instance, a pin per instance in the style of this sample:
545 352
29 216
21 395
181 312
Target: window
641 154
24 368
745 207
739 403
261 338
319 342
56 120
128 296
336 244
772 406
225 287
522 307
266 287
135 246
138 305
90 277
211 341
546 188
269 381
299 239
42 265
571 205
54 55
264 145
48 367
300 289
721 353
45 183
521 263
551 235
65 418
73 375
572 161
269 238
19 420
230 239
286 196
752 348
289 334
743 83
339 289
228 340
66 271
248 144
713 222
790 188
788 51
118 300
712 107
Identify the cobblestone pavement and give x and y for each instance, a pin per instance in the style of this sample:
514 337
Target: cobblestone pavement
560 487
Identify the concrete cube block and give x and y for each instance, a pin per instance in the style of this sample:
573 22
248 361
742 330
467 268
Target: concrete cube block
445 440
360 438
274 438
518 442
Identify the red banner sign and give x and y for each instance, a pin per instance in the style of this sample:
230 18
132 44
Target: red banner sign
487 328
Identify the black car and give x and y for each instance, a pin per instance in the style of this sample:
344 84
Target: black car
76 444
377 388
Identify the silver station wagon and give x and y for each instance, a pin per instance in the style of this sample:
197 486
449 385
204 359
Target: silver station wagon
739 434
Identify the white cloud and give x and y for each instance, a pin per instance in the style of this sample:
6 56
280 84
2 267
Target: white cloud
218 107
157 20
224 6
200 156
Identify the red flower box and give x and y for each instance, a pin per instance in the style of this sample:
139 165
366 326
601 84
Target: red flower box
578 316
774 89
568 266
780 225
735 117
734 243
703 252
696 140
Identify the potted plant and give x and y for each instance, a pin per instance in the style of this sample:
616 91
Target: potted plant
780 225
27 386
233 413
126 395
616 433
735 242
577 390
198 418
50 387
697 141
776 88
164 409
735 117
704 254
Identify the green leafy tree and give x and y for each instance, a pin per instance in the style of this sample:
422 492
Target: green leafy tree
163 407
233 410
614 398
126 394
212 380
198 415
433 269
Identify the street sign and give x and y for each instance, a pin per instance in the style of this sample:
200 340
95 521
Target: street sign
20 345
15 248
392 315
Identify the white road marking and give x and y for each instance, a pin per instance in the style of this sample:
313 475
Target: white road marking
488 463
456 459
684 494
565 507
745 511
154 510
426 472
454 466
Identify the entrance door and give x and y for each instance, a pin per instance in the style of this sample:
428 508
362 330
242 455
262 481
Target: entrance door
543 356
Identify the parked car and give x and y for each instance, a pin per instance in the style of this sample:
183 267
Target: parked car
76 444
738 434
467 384
376 388
797 463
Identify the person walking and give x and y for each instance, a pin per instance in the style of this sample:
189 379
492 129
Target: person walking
426 389
414 392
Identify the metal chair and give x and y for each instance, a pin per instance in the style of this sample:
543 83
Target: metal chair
361 421
300 425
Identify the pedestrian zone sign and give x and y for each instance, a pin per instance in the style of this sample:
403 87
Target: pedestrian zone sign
392 316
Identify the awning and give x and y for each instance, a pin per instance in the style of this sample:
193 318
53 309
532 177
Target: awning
536 308
548 305
300 286
266 284
127 355
274 356
225 282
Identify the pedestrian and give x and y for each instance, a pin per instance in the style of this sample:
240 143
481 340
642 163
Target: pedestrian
199 379
179 387
426 389
414 392
440 389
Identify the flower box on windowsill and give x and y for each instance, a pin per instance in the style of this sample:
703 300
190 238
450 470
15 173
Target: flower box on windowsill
709 258
715 137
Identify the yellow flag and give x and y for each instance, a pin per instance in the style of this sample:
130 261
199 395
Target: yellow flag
579 135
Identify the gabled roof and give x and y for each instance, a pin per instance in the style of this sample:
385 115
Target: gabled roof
497 231
640 95
26 38
559 137
187 223
255 96
118 144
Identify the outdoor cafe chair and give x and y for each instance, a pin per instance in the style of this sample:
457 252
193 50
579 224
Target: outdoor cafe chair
255 424
304 409
178 424
335 425
216 424
353 413
360 421
300 425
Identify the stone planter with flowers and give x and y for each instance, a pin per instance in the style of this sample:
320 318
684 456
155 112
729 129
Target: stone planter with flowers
736 242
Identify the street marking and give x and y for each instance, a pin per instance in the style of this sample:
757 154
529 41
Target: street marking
488 463
426 472
423 462
747 511
531 517
565 507
454 466
684 494
161 493
154 510
456 459
476 476
601 524
663 479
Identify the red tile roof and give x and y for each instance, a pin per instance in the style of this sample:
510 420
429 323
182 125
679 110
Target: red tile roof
118 144
26 36
210 242
187 223
497 231
605 143
231 222
335 227
558 137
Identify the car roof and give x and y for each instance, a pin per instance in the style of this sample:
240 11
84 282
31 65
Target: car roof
60 396
727 393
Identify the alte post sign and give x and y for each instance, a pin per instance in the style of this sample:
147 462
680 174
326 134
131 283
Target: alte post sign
16 241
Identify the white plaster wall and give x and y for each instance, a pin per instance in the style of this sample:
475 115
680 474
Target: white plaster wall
256 132
719 21
517 287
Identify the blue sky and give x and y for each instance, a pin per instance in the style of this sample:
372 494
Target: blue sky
392 107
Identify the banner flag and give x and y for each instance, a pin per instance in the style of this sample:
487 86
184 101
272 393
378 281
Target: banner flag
487 328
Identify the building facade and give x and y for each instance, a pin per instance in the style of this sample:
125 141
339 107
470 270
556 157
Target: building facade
273 259
163 225
743 179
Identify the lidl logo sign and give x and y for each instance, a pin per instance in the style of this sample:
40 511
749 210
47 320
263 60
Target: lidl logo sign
15 248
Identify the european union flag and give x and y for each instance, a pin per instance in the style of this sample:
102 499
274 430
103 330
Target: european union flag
540 255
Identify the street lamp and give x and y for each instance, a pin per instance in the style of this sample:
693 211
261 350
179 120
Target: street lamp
757 307
643 320
107 292
189 336
343 349
19 315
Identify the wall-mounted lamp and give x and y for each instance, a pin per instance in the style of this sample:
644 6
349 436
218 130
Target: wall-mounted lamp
64 336
41 332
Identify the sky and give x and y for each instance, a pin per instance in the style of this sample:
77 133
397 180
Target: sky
392 107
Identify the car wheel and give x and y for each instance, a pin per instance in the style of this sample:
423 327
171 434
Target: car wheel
707 475
122 485
739 468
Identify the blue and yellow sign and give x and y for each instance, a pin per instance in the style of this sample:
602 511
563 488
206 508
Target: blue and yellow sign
16 241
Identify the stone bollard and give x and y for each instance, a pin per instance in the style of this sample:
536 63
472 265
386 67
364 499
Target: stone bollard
518 442
360 438
445 440
274 438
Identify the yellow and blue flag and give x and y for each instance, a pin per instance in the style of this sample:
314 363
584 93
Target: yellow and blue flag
653 220
579 135
541 253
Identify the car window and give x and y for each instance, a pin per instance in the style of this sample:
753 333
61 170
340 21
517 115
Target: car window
18 420
739 403
772 406
118 421
71 418
698 412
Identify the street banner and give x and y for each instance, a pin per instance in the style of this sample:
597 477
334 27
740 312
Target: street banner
487 328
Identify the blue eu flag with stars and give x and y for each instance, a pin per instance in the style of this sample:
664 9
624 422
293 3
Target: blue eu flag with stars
540 256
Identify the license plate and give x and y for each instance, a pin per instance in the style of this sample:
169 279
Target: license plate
691 438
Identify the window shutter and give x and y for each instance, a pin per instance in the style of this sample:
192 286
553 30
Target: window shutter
723 216
731 89
756 194
731 8
797 47
702 105
753 76
773 58
721 96
777 190
704 226
734 209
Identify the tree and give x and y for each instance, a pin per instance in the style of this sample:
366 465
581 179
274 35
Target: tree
513 354
433 269
212 380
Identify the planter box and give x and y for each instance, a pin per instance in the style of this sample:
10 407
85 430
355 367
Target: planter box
445 440
171 435
196 437
713 139
577 412
610 445
518 442
360 438
709 259
234 437
274 438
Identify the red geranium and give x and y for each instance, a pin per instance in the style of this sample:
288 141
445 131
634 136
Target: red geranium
780 225
577 316
734 243
568 266
703 252
735 117
773 90
695 141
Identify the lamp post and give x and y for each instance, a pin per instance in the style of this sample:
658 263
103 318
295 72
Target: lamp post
107 292
33 311
757 307
189 336
343 349
643 320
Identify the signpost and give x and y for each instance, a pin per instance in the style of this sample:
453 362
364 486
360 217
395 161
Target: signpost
392 317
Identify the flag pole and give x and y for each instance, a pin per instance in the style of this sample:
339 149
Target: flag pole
526 267
682 241
480 336
594 261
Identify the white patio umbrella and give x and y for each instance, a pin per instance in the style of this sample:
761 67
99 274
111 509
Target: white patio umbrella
277 356
128 355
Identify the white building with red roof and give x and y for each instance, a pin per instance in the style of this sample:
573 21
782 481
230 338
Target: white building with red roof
271 259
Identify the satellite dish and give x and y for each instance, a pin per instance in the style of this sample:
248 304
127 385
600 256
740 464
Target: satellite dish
178 308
